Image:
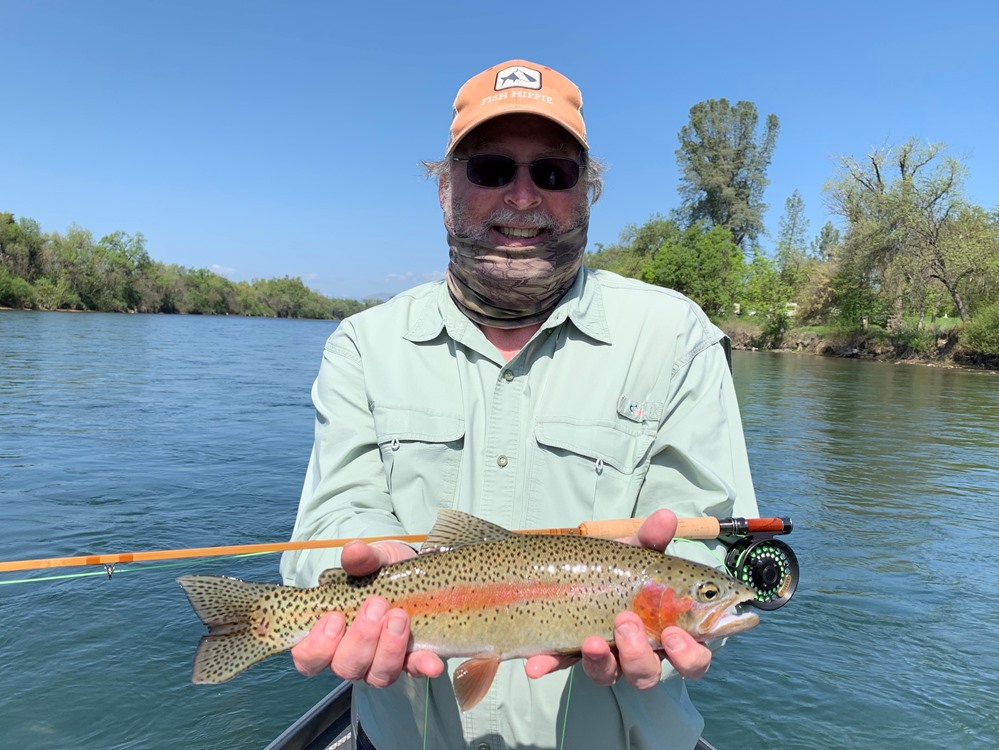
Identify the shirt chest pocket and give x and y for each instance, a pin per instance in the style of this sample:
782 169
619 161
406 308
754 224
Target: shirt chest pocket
592 469
420 451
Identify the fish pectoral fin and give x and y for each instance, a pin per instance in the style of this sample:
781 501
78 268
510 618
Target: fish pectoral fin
472 679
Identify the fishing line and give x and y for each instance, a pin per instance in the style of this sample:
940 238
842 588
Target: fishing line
115 570
426 711
565 716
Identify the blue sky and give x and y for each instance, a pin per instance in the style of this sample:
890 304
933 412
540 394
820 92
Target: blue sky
263 139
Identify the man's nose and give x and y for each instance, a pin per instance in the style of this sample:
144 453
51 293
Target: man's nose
521 192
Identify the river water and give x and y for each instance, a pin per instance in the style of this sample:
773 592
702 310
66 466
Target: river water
122 433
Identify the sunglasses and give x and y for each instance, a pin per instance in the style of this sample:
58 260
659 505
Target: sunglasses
493 171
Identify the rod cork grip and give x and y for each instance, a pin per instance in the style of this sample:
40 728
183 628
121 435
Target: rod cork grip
706 527
611 529
686 528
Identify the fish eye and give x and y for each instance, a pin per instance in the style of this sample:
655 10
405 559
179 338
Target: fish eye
708 592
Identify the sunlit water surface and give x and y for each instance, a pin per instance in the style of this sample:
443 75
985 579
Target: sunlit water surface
123 433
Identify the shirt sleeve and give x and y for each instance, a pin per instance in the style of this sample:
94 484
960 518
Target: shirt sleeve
345 491
700 465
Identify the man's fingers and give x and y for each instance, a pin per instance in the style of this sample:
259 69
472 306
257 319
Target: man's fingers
390 653
542 664
639 663
599 662
314 653
690 658
424 664
356 652
360 559
657 531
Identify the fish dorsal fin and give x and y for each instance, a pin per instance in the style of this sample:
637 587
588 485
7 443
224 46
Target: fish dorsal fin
457 529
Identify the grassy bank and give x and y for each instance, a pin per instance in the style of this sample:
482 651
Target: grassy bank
938 345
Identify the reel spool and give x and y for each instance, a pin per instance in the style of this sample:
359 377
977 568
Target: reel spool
766 565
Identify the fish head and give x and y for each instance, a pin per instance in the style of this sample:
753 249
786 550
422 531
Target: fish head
701 600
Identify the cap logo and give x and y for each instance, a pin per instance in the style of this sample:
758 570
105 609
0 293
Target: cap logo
518 77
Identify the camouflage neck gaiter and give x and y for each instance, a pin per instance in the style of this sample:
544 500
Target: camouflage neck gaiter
513 287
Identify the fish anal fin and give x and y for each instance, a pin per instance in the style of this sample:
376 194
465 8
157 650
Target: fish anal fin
221 657
472 679
455 529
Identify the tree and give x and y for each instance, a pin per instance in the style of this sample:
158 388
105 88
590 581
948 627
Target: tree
826 243
724 164
53 272
910 229
703 263
792 250
637 246
21 245
766 294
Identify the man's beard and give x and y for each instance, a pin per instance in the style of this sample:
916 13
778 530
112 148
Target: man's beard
458 223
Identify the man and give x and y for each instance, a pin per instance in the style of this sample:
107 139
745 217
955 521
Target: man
533 392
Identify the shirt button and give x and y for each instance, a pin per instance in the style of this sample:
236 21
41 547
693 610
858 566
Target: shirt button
501 462
482 746
507 376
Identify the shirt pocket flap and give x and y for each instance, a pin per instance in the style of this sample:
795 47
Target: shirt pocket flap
423 425
618 447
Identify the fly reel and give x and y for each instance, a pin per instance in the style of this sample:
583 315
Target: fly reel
768 566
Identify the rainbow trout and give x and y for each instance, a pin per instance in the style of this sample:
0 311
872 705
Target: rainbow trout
480 591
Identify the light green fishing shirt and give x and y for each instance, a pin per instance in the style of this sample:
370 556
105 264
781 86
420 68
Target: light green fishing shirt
620 404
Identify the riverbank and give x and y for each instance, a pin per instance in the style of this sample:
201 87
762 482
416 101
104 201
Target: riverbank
942 350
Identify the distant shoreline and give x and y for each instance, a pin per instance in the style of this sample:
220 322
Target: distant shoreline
949 353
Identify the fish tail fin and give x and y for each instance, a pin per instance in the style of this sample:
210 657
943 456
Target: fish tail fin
236 639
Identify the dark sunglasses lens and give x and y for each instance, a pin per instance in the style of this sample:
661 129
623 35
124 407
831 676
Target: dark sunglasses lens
555 174
490 171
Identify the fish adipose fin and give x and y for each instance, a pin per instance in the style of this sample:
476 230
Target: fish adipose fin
472 679
456 529
234 641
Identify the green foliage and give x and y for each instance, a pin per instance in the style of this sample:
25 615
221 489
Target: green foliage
856 302
827 242
705 264
637 246
617 258
14 291
724 164
911 231
981 334
766 295
116 274
792 251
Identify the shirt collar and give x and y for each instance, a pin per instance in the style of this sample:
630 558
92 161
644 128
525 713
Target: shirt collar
583 305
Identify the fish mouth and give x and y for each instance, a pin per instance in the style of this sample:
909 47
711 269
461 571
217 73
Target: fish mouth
726 618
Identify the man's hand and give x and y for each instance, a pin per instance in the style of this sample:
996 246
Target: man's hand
373 648
633 657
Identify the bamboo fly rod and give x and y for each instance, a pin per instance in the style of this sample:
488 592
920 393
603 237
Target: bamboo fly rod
687 528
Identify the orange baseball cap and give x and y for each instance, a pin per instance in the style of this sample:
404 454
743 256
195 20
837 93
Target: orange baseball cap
517 87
